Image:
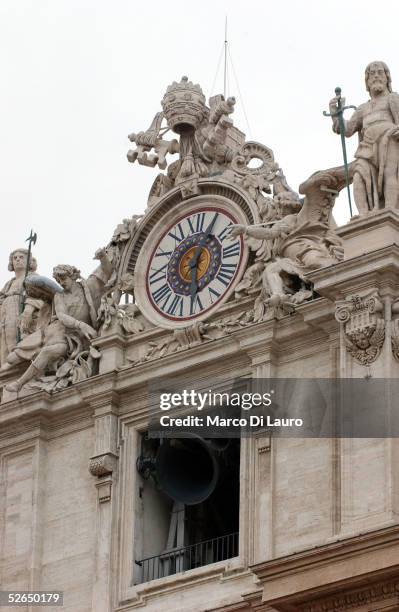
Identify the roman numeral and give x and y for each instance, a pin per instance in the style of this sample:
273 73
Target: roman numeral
232 250
158 275
178 238
224 233
226 273
177 304
213 292
194 303
197 223
161 252
163 293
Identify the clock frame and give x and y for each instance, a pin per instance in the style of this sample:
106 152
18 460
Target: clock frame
162 290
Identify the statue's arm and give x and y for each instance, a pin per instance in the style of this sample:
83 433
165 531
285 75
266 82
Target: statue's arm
352 125
262 233
265 233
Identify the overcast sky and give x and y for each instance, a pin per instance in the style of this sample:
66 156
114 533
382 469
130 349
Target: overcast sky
80 75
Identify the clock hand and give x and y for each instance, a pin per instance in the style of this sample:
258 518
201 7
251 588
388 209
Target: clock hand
202 242
194 286
195 258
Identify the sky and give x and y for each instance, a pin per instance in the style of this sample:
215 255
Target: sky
80 75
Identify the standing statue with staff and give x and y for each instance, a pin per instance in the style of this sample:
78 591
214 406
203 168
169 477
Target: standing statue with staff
376 167
16 311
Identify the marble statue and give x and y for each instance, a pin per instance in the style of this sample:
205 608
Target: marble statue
298 238
376 170
73 325
12 323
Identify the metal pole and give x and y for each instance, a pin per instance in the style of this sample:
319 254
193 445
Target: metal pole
225 60
31 239
340 116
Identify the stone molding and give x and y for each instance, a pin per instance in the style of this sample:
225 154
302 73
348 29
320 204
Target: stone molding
370 232
104 489
347 584
102 465
354 599
375 270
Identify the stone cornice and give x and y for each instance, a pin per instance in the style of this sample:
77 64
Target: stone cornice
371 269
234 353
81 399
345 564
251 602
327 553
358 225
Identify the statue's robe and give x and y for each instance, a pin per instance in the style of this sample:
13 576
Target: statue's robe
10 303
377 156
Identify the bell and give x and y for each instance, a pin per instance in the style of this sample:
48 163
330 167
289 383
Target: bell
184 468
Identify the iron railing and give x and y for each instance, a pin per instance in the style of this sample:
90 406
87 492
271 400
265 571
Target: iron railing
189 557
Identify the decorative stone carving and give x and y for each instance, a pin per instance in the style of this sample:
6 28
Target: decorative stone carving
376 177
127 317
114 249
61 351
179 340
364 326
395 330
104 489
12 325
102 465
59 322
296 239
194 335
395 339
132 319
145 141
111 314
208 141
184 106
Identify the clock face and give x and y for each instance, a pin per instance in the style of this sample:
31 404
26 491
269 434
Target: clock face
194 265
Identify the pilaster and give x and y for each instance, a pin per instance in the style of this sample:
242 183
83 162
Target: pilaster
364 289
103 466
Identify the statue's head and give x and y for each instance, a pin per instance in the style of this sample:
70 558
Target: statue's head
66 275
17 261
361 339
378 77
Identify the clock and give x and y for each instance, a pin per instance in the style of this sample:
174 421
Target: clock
190 264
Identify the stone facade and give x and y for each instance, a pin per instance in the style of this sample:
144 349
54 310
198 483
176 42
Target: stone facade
318 527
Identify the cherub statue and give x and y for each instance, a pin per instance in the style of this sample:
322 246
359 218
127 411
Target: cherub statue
365 344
